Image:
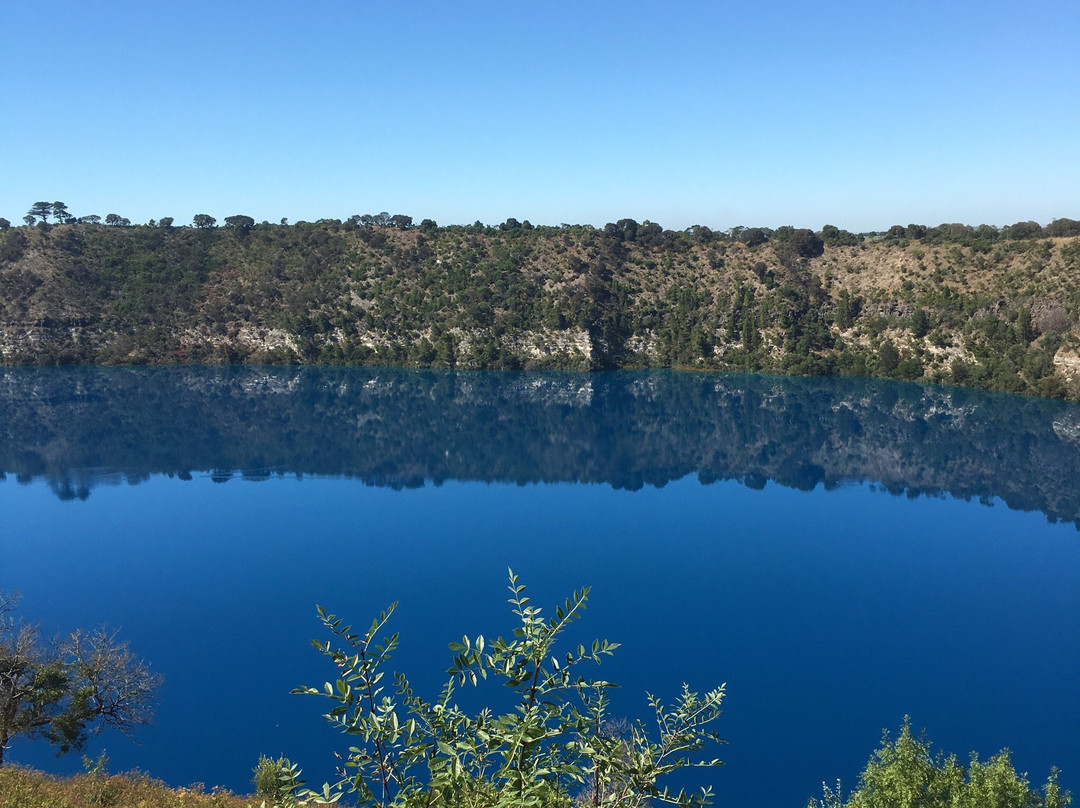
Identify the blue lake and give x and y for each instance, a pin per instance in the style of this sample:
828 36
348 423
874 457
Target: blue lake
839 552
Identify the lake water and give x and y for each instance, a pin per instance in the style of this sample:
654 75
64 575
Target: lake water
839 552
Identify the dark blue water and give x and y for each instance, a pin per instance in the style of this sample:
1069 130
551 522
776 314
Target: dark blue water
734 529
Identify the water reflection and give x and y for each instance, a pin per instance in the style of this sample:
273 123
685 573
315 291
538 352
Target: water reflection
83 427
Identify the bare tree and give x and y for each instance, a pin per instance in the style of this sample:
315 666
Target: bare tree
66 689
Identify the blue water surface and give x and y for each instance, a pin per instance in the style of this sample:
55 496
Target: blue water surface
830 614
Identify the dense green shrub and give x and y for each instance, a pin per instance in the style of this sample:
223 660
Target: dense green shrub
276 780
905 774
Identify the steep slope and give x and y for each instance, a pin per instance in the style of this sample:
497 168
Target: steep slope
950 305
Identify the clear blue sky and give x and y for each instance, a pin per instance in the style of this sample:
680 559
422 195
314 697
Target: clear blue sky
779 112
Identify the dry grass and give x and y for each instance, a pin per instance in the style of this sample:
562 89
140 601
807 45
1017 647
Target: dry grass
27 788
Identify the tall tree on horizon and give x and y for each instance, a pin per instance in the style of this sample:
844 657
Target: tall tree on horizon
41 210
60 211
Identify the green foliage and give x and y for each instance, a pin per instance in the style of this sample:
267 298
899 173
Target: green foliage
755 236
905 774
920 323
64 690
13 247
805 243
240 223
848 308
42 210
833 236
1063 228
1025 230
101 789
888 357
60 211
555 740
277 781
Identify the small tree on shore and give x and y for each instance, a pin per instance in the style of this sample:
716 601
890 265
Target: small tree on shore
66 689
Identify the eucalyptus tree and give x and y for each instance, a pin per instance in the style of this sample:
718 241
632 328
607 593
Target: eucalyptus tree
242 224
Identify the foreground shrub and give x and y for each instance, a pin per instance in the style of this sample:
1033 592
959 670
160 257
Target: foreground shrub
555 743
276 781
904 774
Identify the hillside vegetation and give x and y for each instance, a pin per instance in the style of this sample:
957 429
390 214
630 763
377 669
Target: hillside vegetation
997 309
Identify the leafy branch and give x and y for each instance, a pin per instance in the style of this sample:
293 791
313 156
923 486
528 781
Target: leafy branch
412 752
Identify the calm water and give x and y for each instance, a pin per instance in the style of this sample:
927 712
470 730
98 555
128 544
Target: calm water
840 552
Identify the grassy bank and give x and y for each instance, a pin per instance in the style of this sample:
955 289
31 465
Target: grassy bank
27 788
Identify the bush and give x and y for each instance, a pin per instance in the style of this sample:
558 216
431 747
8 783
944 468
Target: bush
888 357
905 773
410 751
276 781
806 243
910 368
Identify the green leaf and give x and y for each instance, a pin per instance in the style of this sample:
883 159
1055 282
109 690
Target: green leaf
549 741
